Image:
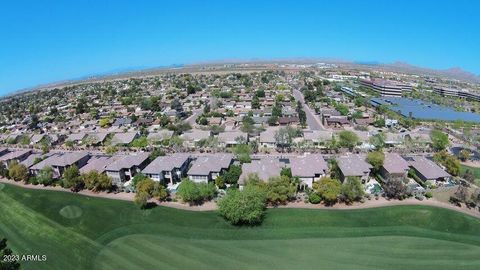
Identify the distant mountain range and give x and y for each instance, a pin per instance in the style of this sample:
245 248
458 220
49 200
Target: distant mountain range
452 73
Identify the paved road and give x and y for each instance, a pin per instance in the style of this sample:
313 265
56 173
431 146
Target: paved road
313 120
192 118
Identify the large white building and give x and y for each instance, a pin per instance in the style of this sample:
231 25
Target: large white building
387 88
452 92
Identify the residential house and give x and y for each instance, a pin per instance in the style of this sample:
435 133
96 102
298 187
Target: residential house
122 122
170 169
288 120
427 170
76 137
394 166
98 163
124 168
317 137
160 135
30 160
354 165
264 168
97 138
36 138
232 138
207 168
309 168
61 161
194 136
267 137
18 156
124 138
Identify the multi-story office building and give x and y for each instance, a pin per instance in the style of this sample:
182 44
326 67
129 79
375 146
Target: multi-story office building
387 88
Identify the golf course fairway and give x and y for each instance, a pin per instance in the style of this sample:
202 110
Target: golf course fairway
79 232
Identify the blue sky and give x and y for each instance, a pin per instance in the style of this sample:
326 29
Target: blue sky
46 41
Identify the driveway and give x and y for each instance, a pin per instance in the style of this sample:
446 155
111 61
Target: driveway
192 118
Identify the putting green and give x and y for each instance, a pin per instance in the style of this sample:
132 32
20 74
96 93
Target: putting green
71 211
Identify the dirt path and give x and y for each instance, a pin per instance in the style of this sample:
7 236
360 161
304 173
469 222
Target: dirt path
211 206
470 163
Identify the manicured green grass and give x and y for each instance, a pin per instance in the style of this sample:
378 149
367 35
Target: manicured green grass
108 234
475 171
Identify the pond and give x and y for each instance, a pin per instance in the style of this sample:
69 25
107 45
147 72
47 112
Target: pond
420 109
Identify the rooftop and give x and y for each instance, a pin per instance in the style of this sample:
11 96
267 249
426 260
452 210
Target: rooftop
264 168
204 165
395 164
308 165
127 162
428 168
166 163
353 165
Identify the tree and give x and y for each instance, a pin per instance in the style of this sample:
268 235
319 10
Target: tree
450 162
260 93
138 178
378 141
71 178
348 139
143 192
207 191
452 165
439 140
96 181
243 207
255 103
45 176
395 188
329 189
302 116
18 172
233 174
140 142
5 252
147 189
104 122
342 109
242 153
195 193
280 190
220 182
376 159
159 192
380 122
314 198
157 152
286 172
3 170
461 193
248 124
352 189
141 199
469 176
464 154
284 136
69 144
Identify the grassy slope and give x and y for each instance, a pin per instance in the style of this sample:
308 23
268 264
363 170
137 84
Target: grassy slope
476 172
116 235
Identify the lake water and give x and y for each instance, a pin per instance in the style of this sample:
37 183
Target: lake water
424 110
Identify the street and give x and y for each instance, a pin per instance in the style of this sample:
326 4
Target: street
313 121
